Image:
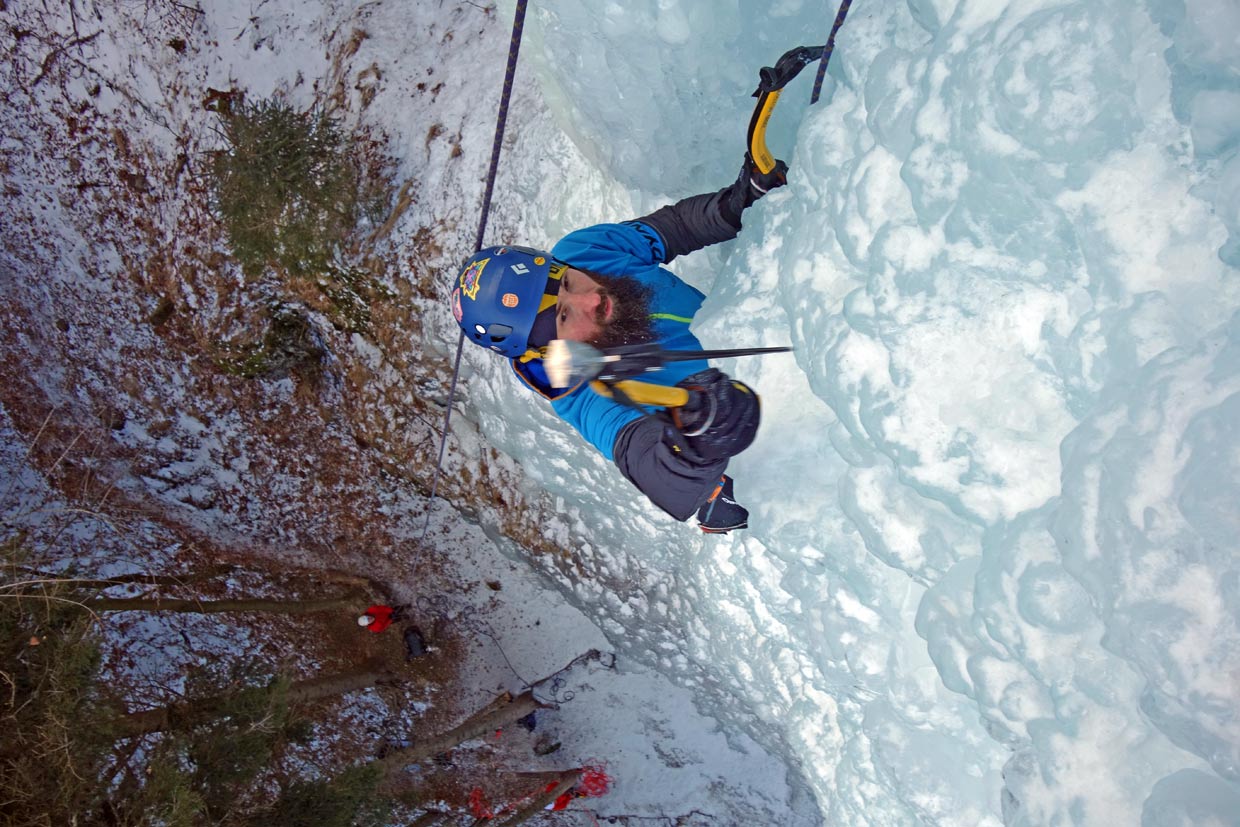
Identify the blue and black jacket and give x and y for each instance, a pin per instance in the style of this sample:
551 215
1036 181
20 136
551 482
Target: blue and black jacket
637 443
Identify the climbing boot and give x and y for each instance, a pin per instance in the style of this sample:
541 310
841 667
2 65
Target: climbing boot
721 513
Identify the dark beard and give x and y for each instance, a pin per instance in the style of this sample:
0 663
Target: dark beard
630 321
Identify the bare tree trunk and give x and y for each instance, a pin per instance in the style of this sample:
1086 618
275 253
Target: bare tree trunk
359 582
171 604
498 702
198 710
327 686
568 780
403 200
487 720
42 581
42 578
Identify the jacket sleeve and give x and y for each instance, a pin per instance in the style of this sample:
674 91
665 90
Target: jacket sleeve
598 419
664 475
694 222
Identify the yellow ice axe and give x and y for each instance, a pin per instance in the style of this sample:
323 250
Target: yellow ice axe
771 81
611 372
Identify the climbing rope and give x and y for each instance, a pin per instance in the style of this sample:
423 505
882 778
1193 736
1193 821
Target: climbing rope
514 47
826 50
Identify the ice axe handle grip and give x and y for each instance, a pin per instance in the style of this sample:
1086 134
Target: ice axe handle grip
644 393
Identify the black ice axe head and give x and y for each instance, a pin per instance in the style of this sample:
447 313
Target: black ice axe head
772 79
789 65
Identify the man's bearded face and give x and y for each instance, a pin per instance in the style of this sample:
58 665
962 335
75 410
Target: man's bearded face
605 312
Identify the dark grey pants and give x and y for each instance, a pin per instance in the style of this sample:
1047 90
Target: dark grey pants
647 454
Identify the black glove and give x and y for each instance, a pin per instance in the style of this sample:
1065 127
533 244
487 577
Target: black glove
751 185
721 417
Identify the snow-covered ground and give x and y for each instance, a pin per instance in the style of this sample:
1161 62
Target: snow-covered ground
667 760
991 575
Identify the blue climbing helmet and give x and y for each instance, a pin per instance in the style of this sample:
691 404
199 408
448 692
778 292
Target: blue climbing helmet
499 294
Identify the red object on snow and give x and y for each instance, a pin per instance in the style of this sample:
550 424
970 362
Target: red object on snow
381 618
594 782
478 804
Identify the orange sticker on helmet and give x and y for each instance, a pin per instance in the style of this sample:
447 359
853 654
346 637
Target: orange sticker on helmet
510 300
539 260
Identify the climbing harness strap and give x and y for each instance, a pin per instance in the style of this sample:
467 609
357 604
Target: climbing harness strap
514 47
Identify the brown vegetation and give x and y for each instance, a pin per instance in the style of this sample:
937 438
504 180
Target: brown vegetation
124 317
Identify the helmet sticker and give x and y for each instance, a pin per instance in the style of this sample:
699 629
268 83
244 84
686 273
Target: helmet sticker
510 300
471 279
456 305
539 260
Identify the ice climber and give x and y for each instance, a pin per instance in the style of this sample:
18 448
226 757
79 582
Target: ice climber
606 285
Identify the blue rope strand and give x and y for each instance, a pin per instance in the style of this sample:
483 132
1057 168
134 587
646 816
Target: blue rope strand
514 48
826 50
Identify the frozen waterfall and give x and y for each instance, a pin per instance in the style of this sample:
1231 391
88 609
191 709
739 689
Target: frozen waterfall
992 571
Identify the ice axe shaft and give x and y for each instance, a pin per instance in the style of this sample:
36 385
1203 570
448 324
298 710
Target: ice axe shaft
690 355
568 363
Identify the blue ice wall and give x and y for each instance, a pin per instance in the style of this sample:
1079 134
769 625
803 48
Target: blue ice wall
992 574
